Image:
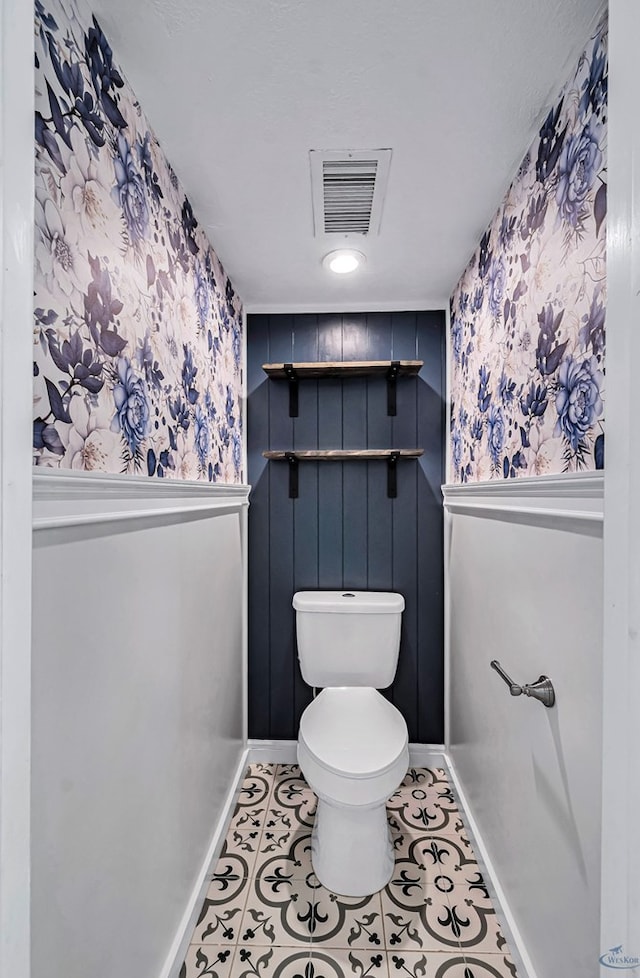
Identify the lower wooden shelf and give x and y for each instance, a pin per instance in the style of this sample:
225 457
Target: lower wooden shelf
341 455
389 455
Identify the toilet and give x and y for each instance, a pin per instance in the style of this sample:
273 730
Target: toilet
353 744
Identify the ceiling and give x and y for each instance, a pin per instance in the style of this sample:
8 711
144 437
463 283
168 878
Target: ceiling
239 91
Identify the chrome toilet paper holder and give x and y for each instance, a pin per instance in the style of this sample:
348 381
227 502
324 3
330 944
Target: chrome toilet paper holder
541 690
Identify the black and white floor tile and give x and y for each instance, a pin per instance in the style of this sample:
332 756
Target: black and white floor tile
267 916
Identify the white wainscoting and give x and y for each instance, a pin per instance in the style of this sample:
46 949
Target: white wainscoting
524 586
553 501
63 499
138 713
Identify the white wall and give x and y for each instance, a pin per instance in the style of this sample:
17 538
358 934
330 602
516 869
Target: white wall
525 585
16 350
137 712
621 771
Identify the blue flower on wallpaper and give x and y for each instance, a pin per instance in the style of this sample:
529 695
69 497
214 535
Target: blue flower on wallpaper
506 388
189 374
484 396
478 299
595 87
237 446
79 363
138 330
578 167
88 113
105 76
536 214
578 400
210 406
507 231
145 160
456 339
484 255
202 435
528 316
201 293
550 145
549 351
180 413
497 282
132 415
145 356
534 402
456 448
130 191
476 429
495 432
230 408
236 342
592 333
511 465
189 225
101 307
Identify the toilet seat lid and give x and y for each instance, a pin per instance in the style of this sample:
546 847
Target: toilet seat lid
354 731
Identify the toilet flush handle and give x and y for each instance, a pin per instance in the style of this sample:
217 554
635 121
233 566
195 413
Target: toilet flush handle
541 690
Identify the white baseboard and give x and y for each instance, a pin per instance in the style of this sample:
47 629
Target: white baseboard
180 944
523 963
275 751
426 755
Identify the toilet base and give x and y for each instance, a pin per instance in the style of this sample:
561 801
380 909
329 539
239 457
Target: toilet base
351 848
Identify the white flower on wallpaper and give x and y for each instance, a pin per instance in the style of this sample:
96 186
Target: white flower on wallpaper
527 317
138 330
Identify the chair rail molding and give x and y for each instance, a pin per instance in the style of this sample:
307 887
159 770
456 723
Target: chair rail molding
571 499
64 499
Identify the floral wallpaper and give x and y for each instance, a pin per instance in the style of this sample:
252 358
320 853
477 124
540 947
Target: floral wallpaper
138 330
528 315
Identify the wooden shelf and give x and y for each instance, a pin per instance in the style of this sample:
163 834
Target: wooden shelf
343 455
342 368
389 455
294 372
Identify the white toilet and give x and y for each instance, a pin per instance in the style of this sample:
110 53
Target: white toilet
353 744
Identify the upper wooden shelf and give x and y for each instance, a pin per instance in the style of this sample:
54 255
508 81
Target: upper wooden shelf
341 368
391 369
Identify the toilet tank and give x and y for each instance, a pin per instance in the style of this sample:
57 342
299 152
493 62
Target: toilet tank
348 638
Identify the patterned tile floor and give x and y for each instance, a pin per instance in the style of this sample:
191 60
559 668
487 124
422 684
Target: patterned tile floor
267 916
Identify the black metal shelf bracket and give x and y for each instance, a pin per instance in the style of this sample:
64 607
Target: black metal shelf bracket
293 474
391 456
392 376
392 475
292 377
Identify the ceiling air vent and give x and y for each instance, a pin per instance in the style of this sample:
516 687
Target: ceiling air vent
348 188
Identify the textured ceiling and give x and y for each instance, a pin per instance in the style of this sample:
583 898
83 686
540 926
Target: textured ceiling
238 92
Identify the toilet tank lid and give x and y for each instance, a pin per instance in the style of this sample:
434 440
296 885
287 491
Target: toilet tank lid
349 602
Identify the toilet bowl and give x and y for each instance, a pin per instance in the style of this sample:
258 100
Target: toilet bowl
353 751
353 743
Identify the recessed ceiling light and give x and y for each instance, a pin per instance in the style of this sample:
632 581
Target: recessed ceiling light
344 261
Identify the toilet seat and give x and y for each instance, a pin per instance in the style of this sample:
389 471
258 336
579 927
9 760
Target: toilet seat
353 745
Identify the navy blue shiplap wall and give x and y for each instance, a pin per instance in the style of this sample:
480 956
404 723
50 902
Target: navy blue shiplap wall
342 531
